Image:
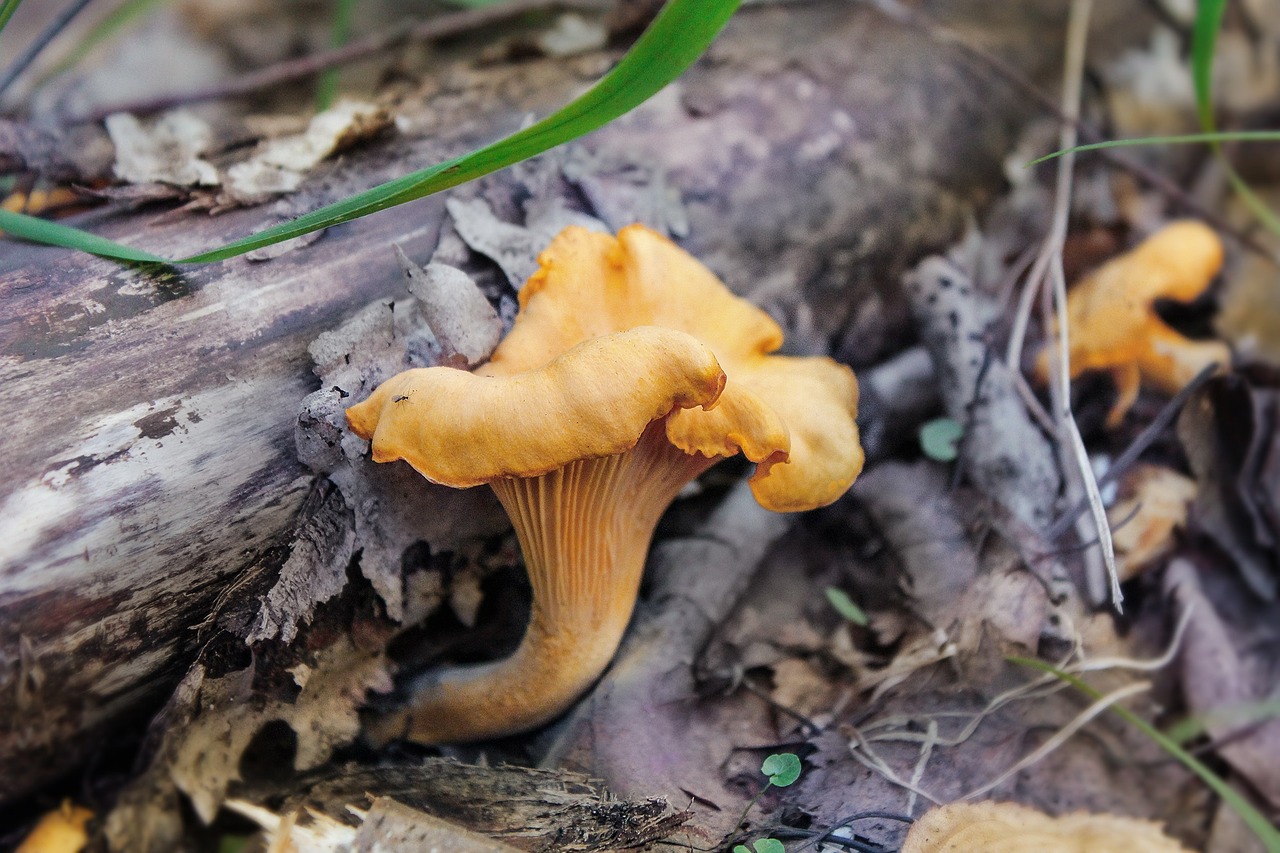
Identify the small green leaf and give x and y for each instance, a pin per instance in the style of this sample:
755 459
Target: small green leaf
939 439
769 845
844 605
740 848
782 769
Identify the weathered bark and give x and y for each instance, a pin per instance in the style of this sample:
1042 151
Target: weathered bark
148 455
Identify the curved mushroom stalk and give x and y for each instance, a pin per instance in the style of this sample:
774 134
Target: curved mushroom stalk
584 530
609 395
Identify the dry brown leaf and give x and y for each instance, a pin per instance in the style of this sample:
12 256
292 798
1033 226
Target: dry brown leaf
1143 524
989 827
280 165
166 151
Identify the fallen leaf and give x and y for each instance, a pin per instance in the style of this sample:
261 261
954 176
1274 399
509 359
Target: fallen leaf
989 827
1143 522
166 151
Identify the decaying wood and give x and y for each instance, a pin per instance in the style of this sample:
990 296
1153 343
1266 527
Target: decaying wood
149 455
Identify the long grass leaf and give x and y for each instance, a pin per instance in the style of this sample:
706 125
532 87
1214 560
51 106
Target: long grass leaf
40 230
1254 819
339 35
1204 41
7 8
676 38
1181 139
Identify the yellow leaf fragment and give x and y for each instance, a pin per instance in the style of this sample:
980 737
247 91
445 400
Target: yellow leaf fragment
990 827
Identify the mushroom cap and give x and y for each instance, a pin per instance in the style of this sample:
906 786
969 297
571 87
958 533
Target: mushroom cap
462 429
1113 324
794 417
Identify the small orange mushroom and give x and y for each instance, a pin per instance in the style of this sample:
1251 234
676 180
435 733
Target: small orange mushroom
629 371
1113 324
63 830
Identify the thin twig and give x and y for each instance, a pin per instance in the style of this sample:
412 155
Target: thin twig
48 34
1061 736
432 29
1149 434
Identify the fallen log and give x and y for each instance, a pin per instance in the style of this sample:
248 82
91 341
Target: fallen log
149 465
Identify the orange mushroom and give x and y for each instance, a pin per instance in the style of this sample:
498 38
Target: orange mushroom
629 371
1113 324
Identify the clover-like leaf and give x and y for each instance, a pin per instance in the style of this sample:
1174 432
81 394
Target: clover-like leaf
782 769
769 845
939 439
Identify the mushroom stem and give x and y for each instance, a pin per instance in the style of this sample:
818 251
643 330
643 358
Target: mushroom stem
584 530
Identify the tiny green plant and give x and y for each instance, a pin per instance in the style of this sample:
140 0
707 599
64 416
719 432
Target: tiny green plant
940 439
762 845
845 606
781 770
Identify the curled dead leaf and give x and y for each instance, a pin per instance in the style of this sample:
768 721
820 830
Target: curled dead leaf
1143 523
990 827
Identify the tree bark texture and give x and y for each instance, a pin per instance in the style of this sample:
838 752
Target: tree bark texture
149 457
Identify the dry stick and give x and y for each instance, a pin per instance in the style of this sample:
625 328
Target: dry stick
1061 736
432 29
1077 32
1144 439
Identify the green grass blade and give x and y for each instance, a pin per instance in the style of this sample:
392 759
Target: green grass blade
676 38
7 8
1254 819
1204 41
40 230
339 35
1181 139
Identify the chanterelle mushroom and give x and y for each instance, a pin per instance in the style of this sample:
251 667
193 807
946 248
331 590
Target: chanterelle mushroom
629 371
1113 324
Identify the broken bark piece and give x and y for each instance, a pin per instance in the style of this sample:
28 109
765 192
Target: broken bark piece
547 811
386 825
460 317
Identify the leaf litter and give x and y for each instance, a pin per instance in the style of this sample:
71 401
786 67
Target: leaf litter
952 563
